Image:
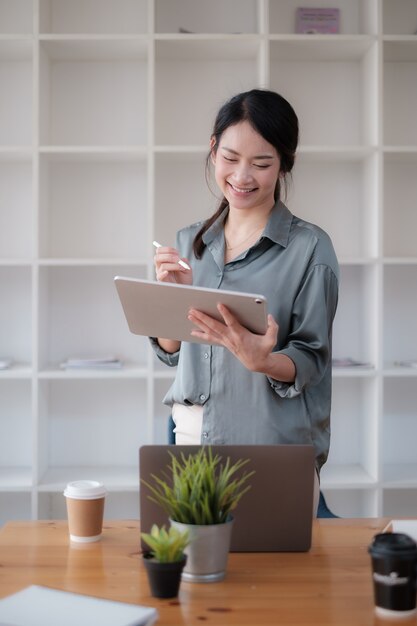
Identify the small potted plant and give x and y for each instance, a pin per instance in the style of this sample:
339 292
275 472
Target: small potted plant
198 495
165 560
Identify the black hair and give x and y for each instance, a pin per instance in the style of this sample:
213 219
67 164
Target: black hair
273 117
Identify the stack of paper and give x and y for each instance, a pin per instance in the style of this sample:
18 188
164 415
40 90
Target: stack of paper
349 362
5 363
107 362
41 606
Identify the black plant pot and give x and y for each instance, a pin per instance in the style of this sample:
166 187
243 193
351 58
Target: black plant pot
164 578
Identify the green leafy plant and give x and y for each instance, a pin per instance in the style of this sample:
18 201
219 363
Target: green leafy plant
200 489
166 546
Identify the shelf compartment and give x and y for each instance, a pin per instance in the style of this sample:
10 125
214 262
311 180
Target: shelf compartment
89 426
399 17
356 16
332 89
400 322
198 16
400 215
116 478
192 200
93 208
16 17
15 318
400 502
16 74
345 206
353 457
399 416
16 434
16 209
161 411
15 506
93 92
400 78
196 77
352 502
355 333
81 316
118 505
93 16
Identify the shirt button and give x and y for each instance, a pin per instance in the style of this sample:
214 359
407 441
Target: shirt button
206 355
205 434
202 397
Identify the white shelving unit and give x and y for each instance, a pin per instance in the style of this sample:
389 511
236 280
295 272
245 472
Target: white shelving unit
105 115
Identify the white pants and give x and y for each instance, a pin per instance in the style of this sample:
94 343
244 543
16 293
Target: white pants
188 422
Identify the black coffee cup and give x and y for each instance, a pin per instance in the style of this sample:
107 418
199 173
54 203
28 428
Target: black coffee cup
394 565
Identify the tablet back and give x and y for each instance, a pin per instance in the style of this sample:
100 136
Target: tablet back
157 309
275 515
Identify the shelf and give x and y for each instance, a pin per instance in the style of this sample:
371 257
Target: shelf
16 17
89 208
114 478
82 85
126 372
328 92
93 16
198 16
15 479
354 428
16 209
105 120
356 16
399 18
330 48
400 476
346 477
87 319
400 285
354 335
16 78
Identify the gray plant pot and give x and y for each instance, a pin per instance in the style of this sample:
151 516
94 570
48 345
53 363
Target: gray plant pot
207 552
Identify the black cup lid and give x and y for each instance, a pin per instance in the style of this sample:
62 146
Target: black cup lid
400 543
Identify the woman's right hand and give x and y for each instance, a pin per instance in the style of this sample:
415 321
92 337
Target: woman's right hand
168 269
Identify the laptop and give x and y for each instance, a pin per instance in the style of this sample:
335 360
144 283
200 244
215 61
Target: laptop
275 515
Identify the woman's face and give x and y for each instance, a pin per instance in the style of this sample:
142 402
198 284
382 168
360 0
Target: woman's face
246 168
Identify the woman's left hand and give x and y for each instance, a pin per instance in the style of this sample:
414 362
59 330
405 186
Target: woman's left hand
252 350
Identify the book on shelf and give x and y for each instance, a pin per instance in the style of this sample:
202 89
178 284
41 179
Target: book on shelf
107 362
5 363
349 362
311 21
406 363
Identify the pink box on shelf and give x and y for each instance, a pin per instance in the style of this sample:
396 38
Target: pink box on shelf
317 21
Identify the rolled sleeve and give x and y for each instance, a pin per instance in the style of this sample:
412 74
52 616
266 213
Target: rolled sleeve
309 343
169 358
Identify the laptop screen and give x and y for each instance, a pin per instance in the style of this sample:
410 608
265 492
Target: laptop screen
275 515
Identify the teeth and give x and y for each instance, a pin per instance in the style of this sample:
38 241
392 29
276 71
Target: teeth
238 189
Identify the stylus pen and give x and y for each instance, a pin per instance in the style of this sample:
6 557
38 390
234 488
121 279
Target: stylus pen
182 263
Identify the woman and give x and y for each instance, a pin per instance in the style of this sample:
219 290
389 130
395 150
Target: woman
238 387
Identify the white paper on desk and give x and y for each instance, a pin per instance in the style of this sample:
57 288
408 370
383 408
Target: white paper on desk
41 606
407 526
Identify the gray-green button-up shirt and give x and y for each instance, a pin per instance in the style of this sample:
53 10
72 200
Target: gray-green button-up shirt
294 265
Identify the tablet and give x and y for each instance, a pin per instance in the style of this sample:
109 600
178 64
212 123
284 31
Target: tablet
157 309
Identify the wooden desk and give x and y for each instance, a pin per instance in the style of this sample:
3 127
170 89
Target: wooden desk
331 584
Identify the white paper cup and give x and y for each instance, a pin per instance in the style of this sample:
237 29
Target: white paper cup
85 508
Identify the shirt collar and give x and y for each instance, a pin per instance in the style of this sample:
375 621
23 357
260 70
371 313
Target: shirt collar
277 228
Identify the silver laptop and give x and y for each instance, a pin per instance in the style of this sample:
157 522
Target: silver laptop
275 515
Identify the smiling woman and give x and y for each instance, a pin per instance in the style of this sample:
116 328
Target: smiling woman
238 387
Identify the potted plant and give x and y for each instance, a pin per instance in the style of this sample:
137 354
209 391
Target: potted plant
165 560
198 495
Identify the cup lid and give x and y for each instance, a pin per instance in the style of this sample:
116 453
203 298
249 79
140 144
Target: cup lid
85 490
389 543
